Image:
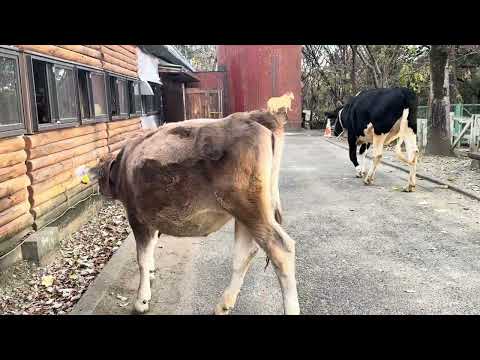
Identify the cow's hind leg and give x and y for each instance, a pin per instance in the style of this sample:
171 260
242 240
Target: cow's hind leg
378 141
145 240
281 251
151 257
412 155
244 250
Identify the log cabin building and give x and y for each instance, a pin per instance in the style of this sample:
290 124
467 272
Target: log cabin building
63 107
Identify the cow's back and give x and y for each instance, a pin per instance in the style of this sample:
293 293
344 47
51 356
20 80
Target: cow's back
382 108
190 162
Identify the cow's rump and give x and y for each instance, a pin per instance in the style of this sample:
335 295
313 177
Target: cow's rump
178 175
382 108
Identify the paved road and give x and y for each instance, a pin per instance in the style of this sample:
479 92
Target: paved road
360 250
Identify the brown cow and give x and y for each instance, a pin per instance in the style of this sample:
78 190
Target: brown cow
190 178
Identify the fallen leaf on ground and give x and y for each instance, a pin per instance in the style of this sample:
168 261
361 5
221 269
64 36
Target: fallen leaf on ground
47 280
122 298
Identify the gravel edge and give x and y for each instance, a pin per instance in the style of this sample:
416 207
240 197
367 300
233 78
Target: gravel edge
419 175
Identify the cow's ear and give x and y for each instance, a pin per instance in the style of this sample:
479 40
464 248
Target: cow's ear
113 173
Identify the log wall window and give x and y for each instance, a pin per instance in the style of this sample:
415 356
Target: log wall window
84 95
65 91
54 93
135 100
11 117
99 95
62 93
92 96
122 97
153 103
42 98
118 97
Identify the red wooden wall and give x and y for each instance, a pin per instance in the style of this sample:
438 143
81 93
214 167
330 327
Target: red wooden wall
255 73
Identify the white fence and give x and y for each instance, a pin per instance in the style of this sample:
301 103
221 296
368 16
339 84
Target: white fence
463 130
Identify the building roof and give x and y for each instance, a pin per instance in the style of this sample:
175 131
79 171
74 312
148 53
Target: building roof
168 53
176 72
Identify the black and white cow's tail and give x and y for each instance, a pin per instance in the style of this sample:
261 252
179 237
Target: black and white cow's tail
364 147
411 104
408 120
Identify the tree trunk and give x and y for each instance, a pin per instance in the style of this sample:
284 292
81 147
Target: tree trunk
455 95
438 142
354 70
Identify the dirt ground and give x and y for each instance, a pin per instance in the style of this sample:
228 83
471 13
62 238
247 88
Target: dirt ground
54 289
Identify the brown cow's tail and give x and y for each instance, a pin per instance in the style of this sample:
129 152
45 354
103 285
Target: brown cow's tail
273 122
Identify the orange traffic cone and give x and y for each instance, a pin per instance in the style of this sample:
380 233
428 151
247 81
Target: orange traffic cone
328 129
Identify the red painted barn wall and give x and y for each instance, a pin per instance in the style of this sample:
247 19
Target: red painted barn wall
255 73
209 80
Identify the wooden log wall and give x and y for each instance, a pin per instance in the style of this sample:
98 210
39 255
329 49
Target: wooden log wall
38 182
38 178
52 161
14 206
119 132
120 59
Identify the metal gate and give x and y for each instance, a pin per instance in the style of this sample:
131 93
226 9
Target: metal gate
204 104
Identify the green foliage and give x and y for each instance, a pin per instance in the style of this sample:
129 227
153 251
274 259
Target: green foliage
414 78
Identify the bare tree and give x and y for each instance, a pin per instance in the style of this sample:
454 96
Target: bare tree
453 78
382 62
202 57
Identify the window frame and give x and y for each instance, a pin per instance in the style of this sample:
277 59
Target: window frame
120 116
155 112
93 119
75 89
136 113
55 123
53 62
18 128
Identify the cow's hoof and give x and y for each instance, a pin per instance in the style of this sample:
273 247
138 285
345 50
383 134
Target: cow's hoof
367 180
141 306
221 309
358 172
409 188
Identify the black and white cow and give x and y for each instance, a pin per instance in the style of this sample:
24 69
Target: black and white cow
378 117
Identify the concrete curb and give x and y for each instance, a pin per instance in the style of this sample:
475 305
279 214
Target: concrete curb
107 276
421 176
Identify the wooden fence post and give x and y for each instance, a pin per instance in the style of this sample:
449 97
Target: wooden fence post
475 133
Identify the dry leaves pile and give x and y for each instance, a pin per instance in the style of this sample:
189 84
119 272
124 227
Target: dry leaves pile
54 289
452 170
